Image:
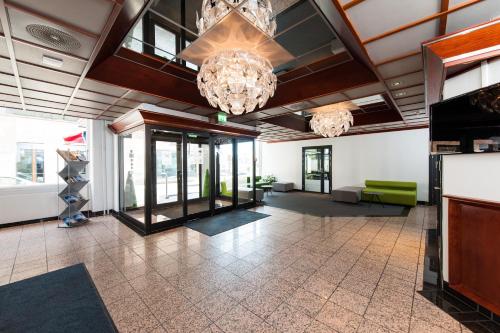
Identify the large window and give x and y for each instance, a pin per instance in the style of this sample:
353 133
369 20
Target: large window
135 38
165 43
30 163
28 150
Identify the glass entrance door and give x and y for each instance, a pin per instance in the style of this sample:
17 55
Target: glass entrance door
224 172
316 169
167 189
198 174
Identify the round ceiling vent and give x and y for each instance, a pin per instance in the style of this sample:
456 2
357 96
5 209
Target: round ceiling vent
53 37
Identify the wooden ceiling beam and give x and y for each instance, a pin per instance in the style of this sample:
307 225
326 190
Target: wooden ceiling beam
351 4
350 27
435 16
445 4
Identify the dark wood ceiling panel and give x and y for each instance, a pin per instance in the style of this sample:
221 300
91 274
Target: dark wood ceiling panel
146 80
296 73
290 121
330 61
353 74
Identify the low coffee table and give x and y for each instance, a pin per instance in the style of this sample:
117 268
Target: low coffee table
373 196
267 189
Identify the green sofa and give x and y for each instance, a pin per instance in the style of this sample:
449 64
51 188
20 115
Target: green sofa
258 182
399 193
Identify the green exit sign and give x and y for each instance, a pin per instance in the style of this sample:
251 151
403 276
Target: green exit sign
221 117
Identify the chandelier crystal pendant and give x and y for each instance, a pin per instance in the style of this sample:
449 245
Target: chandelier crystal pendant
237 80
259 12
333 120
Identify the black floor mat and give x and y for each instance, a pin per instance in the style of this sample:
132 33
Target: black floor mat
323 205
217 224
65 300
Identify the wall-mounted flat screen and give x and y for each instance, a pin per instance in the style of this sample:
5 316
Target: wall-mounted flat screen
468 123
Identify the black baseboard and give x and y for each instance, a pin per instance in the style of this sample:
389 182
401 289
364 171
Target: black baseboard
479 308
46 219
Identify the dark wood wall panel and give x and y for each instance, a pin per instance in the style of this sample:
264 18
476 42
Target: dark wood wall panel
474 250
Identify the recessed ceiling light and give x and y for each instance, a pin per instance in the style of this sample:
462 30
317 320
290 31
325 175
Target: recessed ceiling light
51 61
396 83
401 93
368 100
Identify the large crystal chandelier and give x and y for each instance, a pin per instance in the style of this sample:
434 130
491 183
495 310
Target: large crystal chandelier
333 120
237 80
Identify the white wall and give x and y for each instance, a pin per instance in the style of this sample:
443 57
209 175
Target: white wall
38 201
472 175
400 155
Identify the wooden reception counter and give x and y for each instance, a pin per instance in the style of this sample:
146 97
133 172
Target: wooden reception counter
474 250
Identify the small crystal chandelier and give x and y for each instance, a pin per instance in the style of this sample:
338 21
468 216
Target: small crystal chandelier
333 120
237 80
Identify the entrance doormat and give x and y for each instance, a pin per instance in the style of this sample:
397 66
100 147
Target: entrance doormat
65 300
220 223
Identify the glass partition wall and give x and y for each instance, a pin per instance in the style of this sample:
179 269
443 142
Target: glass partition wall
169 176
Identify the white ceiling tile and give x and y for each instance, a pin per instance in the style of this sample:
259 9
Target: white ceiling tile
372 18
8 79
10 98
412 107
92 96
480 12
3 48
78 108
89 104
46 74
406 92
402 66
33 101
5 66
42 109
103 88
45 96
368 90
20 20
410 100
11 105
46 87
403 42
9 90
31 54
90 15
406 80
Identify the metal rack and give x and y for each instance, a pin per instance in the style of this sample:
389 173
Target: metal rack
75 163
